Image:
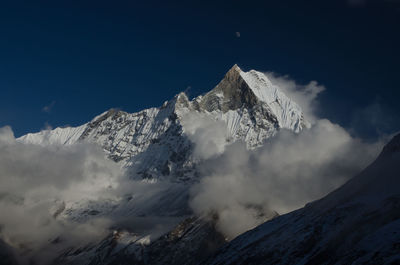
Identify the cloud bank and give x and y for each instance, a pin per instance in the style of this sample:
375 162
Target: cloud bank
35 184
43 189
208 134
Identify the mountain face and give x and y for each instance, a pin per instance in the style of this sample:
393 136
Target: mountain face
359 223
152 143
154 146
356 224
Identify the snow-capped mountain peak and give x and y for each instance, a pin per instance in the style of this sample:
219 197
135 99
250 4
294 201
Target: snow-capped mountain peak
152 143
248 89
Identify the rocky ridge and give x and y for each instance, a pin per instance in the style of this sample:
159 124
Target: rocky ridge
152 143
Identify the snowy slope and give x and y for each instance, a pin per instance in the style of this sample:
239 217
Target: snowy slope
356 224
288 113
61 136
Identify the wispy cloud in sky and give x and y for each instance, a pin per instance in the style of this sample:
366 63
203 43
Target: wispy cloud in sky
374 120
48 108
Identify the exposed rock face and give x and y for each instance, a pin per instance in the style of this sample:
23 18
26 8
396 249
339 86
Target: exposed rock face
190 242
230 94
358 223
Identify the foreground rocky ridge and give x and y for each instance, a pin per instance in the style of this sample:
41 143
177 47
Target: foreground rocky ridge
190 242
358 223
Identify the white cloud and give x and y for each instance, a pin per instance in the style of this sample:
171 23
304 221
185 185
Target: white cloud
48 108
373 120
35 181
208 134
245 187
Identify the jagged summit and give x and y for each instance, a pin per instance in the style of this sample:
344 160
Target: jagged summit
230 94
153 143
240 89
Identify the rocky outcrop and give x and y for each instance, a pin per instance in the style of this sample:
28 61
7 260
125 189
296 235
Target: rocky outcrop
231 93
192 241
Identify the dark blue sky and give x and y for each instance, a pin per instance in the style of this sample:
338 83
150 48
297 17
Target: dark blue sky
85 57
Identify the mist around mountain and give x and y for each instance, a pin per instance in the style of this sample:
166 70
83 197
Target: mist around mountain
173 184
